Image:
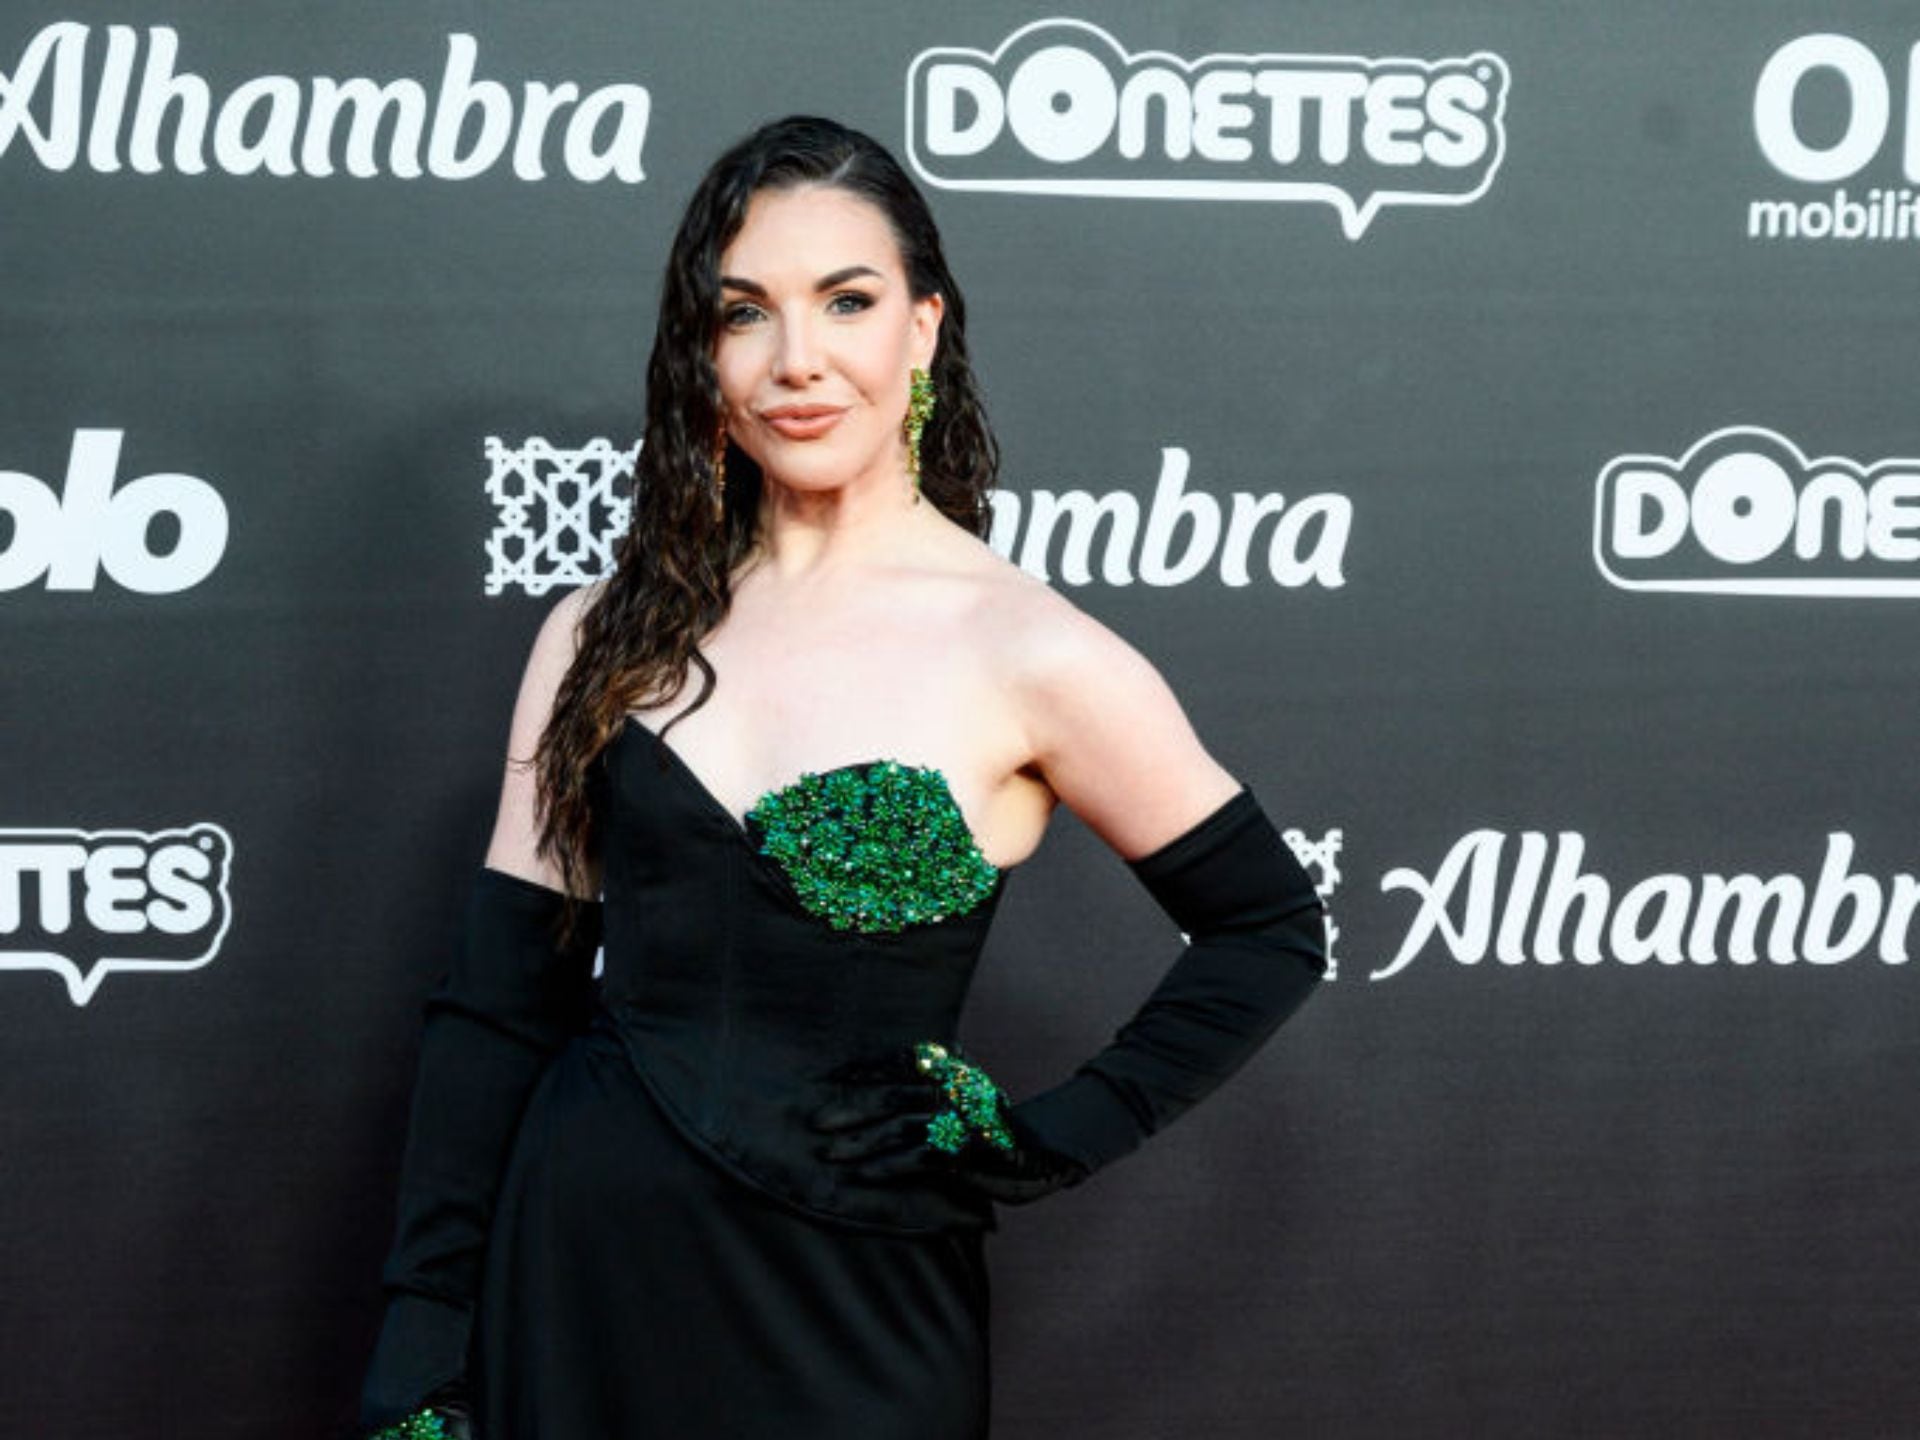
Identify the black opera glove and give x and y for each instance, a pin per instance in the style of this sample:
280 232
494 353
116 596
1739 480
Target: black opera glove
1256 950
510 1000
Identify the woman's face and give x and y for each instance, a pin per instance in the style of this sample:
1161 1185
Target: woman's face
818 331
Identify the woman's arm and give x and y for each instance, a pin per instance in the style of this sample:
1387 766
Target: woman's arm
1106 731
505 1004
514 849
1114 744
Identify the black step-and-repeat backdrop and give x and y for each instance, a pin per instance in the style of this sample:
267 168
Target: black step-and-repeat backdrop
1497 421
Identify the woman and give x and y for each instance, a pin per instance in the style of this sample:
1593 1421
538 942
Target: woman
743 1188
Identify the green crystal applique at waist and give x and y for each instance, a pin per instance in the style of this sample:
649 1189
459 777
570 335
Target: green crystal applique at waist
874 847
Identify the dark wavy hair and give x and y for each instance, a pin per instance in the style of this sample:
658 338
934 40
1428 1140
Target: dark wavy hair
671 581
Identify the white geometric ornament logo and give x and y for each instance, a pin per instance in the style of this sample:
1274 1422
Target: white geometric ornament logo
559 518
1322 855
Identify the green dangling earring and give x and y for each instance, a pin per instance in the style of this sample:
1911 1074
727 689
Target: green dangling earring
919 411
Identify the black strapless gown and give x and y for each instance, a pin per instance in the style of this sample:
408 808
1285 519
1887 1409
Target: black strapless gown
668 1257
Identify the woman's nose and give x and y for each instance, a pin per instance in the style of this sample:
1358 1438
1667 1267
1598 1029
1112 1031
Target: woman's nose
797 357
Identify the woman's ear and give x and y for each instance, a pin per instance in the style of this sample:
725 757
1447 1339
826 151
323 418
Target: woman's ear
927 315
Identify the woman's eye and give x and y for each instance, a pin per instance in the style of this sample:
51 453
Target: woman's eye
735 316
850 302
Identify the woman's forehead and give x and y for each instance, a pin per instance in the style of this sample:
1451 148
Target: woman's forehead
808 232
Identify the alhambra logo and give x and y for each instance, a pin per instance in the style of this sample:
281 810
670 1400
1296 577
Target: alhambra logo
1534 899
1062 108
560 512
142 111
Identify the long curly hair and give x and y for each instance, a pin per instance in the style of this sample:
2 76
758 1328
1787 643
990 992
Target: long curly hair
671 581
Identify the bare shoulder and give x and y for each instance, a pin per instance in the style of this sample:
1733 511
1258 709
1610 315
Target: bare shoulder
1056 656
1105 730
554 647
514 848
1039 638
564 617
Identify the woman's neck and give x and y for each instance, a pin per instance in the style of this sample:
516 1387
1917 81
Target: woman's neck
803 534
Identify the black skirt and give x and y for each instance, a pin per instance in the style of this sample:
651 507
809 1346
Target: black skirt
635 1288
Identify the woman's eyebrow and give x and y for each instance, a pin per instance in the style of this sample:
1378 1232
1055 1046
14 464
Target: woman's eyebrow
825 282
840 277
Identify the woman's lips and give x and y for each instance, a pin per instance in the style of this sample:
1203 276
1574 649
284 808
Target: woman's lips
804 422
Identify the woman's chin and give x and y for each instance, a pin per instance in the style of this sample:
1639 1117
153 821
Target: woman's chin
815 471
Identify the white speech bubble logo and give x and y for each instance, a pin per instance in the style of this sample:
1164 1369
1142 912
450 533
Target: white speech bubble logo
1749 497
1063 97
85 904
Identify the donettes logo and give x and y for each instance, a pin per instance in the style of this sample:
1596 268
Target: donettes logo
1061 108
84 904
1744 512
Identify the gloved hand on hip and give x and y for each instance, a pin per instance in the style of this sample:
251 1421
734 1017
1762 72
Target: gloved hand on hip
930 1111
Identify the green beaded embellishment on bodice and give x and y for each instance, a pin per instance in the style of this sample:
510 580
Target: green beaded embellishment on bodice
874 847
421 1425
